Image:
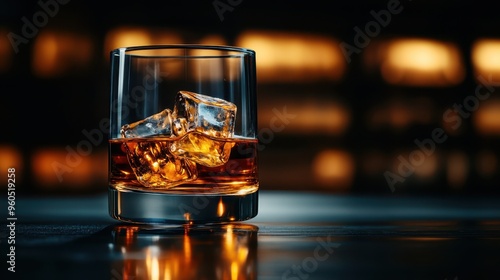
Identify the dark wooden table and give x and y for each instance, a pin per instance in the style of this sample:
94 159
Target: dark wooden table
297 235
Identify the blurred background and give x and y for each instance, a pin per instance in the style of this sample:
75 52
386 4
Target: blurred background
378 97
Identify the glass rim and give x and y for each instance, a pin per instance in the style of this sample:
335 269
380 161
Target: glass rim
130 49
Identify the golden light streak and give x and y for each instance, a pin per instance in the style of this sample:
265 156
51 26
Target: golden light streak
45 162
486 58
228 254
294 57
152 260
130 36
417 62
167 273
229 240
234 270
220 208
187 217
310 116
127 36
242 254
56 168
187 248
147 260
155 269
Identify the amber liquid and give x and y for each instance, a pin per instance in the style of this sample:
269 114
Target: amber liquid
237 176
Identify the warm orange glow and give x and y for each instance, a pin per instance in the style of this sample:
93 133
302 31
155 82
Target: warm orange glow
294 57
398 115
100 166
374 163
126 235
424 166
401 113
457 167
429 168
395 114
213 69
209 69
53 168
58 53
127 36
213 39
449 127
234 270
187 217
486 163
188 253
242 254
334 168
6 51
305 117
229 238
486 119
486 58
220 208
130 234
152 262
227 254
11 157
418 62
43 163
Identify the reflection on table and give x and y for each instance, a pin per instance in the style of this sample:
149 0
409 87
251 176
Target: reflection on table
225 251
295 236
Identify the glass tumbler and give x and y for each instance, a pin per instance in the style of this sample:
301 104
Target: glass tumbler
182 142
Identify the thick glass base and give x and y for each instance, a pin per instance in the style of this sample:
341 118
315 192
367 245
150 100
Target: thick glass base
161 208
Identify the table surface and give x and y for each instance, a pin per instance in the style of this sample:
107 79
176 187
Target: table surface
296 235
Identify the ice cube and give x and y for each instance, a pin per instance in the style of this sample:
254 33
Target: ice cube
157 124
194 132
155 167
203 122
151 160
180 126
209 115
202 149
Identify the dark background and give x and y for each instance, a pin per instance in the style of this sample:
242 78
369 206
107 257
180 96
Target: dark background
44 114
